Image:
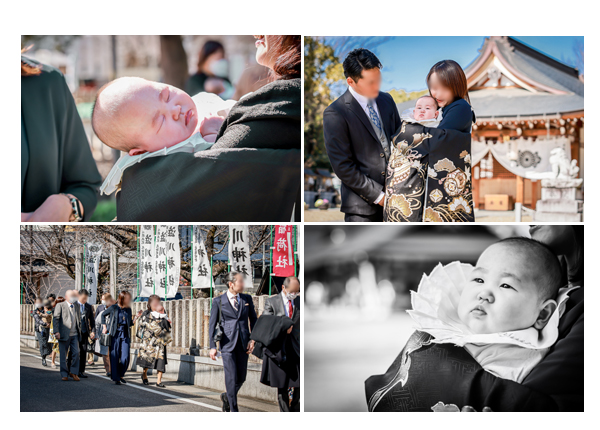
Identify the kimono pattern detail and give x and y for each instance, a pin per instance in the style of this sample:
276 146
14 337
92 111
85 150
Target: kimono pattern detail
428 177
155 335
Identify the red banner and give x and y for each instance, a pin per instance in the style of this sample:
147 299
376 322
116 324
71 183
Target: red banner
283 251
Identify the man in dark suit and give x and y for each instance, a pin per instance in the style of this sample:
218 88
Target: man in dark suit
288 304
67 330
87 330
238 317
358 128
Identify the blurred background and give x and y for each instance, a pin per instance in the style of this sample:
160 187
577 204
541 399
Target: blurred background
224 65
358 280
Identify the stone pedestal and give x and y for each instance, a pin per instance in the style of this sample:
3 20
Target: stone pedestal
559 201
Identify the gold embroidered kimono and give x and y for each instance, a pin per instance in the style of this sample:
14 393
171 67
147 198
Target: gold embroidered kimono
428 176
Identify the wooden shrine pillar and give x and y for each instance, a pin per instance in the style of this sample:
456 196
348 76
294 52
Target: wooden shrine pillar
520 190
534 192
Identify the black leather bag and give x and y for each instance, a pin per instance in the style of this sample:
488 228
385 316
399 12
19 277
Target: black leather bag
105 339
90 345
219 327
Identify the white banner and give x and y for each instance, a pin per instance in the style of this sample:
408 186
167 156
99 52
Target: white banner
167 261
93 253
146 260
239 251
201 269
522 156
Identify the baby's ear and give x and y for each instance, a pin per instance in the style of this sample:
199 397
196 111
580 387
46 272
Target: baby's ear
437 113
548 309
137 151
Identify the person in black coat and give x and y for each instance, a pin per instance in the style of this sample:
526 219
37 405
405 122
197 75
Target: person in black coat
234 312
281 361
255 163
358 128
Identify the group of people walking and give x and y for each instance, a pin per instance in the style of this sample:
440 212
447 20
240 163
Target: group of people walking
70 327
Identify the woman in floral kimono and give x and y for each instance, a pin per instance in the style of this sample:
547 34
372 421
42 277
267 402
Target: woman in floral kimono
429 173
154 329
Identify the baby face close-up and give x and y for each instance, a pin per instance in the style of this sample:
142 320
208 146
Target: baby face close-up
502 293
426 108
151 115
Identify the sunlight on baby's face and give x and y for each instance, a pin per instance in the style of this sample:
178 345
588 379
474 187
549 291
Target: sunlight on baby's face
157 116
502 292
425 109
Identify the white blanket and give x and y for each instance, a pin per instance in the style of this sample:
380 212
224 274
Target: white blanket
509 355
207 104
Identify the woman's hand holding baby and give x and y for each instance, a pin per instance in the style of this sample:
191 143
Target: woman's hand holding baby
56 208
209 128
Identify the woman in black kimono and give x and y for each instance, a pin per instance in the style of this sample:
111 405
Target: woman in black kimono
253 167
424 374
59 177
429 172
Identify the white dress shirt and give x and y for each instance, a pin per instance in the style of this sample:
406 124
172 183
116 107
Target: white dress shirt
363 102
286 306
233 299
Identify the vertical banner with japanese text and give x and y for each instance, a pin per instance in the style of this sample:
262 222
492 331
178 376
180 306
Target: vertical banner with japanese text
167 261
92 262
239 251
202 270
146 262
283 251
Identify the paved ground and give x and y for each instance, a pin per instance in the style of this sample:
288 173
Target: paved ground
43 390
342 348
334 215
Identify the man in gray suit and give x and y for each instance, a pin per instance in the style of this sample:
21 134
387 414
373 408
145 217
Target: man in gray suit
67 329
287 303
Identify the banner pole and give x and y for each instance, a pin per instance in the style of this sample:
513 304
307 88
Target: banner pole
192 265
83 277
155 259
271 257
138 262
211 281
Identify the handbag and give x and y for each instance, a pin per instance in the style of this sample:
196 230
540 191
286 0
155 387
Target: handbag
219 327
90 345
105 339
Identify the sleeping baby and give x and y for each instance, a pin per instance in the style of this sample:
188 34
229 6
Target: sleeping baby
426 112
503 311
145 119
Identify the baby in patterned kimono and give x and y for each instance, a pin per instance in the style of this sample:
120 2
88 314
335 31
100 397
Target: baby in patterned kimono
426 112
504 312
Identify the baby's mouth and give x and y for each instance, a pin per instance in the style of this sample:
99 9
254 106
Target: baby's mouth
188 116
478 311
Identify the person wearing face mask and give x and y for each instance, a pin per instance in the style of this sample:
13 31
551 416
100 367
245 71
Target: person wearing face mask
102 306
52 339
87 330
67 330
212 74
285 375
234 312
42 326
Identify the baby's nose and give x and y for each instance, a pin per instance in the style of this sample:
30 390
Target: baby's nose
176 112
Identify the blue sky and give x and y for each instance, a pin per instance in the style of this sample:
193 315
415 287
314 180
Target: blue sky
407 59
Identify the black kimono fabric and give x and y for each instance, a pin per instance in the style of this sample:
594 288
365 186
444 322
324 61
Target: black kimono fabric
281 364
424 374
428 176
55 151
252 172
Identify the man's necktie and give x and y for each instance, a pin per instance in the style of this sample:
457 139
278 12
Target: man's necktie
373 115
291 308
235 302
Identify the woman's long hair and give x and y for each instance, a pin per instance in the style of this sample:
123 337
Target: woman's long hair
452 76
26 68
122 295
209 48
288 57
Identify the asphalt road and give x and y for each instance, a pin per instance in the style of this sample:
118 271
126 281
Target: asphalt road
42 390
